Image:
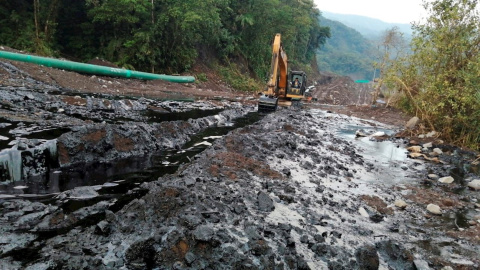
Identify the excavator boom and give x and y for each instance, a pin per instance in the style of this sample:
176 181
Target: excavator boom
277 83
278 90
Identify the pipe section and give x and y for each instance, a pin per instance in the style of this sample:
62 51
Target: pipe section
93 69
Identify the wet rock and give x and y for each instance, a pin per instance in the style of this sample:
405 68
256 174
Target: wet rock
367 257
265 203
475 184
110 216
320 249
427 145
394 227
377 217
320 189
318 238
434 209
363 212
397 256
190 258
191 221
204 233
86 192
286 198
287 172
103 228
401 204
239 208
252 233
259 247
415 149
190 181
140 254
304 239
21 145
421 264
289 189
360 133
446 180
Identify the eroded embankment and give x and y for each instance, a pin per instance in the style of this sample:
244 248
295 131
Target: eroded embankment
289 192
44 128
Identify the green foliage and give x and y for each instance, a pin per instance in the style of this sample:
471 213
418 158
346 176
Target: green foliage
15 31
440 79
347 52
237 80
165 35
201 77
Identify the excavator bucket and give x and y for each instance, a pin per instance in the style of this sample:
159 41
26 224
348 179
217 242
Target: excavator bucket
267 104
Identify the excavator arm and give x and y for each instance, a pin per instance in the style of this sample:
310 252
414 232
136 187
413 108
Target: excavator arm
277 83
278 72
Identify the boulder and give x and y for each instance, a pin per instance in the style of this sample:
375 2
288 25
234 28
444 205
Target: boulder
475 184
412 122
434 209
265 203
446 180
401 204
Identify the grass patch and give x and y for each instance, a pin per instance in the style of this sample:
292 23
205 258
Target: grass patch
232 75
202 77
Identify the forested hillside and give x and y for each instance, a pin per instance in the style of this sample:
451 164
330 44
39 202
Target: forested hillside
370 28
347 52
163 35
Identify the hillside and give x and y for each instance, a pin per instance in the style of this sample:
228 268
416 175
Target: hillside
346 52
369 27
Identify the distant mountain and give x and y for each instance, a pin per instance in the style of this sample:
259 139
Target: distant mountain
368 27
346 52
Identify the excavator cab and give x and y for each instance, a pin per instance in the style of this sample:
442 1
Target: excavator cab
297 86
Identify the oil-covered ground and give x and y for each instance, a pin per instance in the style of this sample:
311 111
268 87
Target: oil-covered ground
114 182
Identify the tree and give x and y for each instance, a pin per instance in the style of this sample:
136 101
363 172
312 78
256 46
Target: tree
45 19
440 79
391 47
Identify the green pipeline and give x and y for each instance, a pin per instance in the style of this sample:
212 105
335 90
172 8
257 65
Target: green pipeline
93 69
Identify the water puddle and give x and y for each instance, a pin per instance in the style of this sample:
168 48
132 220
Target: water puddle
156 117
388 156
385 150
121 175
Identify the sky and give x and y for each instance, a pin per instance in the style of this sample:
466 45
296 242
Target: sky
391 11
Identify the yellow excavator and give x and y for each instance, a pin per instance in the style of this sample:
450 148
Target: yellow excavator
284 87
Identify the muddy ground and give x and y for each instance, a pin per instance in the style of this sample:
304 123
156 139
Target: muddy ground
132 177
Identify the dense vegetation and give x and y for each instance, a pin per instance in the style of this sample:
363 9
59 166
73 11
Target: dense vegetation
163 35
347 52
440 79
